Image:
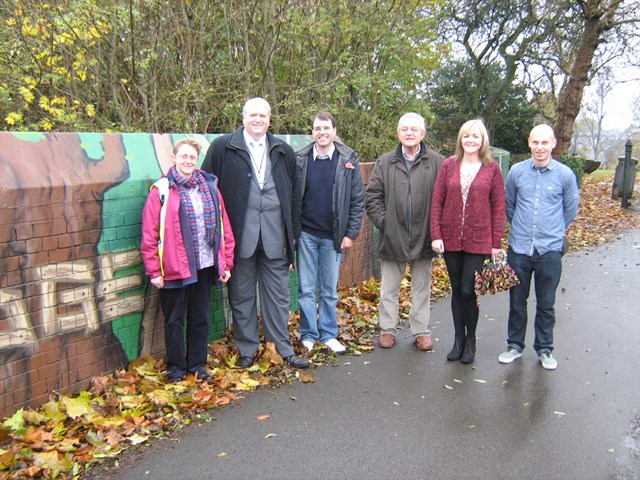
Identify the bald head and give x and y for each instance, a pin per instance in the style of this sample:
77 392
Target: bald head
542 129
542 141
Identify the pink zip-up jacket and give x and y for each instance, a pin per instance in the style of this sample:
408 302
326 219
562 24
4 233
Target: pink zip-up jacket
175 261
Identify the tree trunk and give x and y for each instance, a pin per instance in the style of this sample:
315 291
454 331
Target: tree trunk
597 20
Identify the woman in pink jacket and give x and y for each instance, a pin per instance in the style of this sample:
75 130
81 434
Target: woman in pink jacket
467 224
187 247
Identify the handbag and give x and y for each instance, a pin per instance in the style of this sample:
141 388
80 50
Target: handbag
496 276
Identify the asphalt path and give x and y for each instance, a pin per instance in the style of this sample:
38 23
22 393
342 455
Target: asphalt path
403 413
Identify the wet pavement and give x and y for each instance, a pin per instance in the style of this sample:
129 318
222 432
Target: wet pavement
403 413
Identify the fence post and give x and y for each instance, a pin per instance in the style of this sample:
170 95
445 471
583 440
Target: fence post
629 171
624 178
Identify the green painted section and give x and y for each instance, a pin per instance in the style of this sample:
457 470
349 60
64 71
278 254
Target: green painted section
127 329
122 210
29 136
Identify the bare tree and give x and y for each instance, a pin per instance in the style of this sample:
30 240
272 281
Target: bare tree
589 124
556 46
598 17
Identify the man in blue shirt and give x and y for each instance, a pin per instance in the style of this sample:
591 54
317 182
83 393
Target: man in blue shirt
542 200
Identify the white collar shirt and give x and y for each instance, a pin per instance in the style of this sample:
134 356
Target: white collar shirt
258 154
329 153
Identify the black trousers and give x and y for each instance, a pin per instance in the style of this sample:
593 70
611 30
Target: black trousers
461 267
190 302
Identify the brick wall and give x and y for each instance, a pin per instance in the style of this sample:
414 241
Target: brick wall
362 261
74 300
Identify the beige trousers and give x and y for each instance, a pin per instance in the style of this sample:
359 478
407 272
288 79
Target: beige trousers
392 275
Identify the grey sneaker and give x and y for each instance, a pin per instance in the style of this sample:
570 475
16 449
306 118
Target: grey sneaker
510 355
547 361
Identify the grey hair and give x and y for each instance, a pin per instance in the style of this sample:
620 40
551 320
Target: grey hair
258 102
413 116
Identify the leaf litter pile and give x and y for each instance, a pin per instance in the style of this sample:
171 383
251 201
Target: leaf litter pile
69 434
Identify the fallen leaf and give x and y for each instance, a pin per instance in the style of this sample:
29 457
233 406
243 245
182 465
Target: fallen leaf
263 417
270 435
222 454
15 423
448 387
306 377
479 380
77 406
137 439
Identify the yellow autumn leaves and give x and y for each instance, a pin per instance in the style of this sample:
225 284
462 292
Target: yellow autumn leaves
59 49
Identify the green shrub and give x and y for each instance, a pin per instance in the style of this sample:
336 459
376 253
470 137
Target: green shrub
575 163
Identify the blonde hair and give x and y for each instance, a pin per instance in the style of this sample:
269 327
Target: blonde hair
484 153
186 141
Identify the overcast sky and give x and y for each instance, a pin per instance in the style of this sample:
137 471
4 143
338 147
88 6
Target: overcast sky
620 101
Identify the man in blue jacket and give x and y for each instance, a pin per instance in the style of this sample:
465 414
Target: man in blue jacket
332 209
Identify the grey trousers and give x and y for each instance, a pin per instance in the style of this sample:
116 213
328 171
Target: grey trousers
420 312
271 278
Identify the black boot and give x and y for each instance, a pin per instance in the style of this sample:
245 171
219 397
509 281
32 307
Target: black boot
458 347
469 354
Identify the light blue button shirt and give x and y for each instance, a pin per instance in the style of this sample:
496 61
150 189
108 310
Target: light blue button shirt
541 203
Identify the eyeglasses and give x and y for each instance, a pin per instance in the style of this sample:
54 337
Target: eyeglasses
409 129
186 156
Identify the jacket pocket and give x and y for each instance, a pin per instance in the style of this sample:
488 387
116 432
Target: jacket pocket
481 235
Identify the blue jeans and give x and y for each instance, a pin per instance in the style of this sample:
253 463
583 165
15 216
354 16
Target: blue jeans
546 270
318 271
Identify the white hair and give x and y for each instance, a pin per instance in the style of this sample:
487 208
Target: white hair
413 116
258 102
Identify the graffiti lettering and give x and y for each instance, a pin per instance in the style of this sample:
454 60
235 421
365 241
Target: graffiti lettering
20 333
68 299
114 303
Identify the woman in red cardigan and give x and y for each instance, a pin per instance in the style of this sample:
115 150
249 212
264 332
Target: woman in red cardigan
467 224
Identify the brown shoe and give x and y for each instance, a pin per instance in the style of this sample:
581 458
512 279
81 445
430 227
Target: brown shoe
423 342
386 340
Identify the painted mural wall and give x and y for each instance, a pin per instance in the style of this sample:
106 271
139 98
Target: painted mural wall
74 300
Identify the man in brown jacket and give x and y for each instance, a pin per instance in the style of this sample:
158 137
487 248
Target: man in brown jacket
398 202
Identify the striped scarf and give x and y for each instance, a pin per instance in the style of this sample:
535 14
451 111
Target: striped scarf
208 206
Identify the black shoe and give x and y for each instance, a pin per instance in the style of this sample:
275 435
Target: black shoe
202 374
245 362
174 376
469 354
297 362
456 351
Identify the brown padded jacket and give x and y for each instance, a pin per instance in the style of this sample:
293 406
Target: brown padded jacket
398 202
